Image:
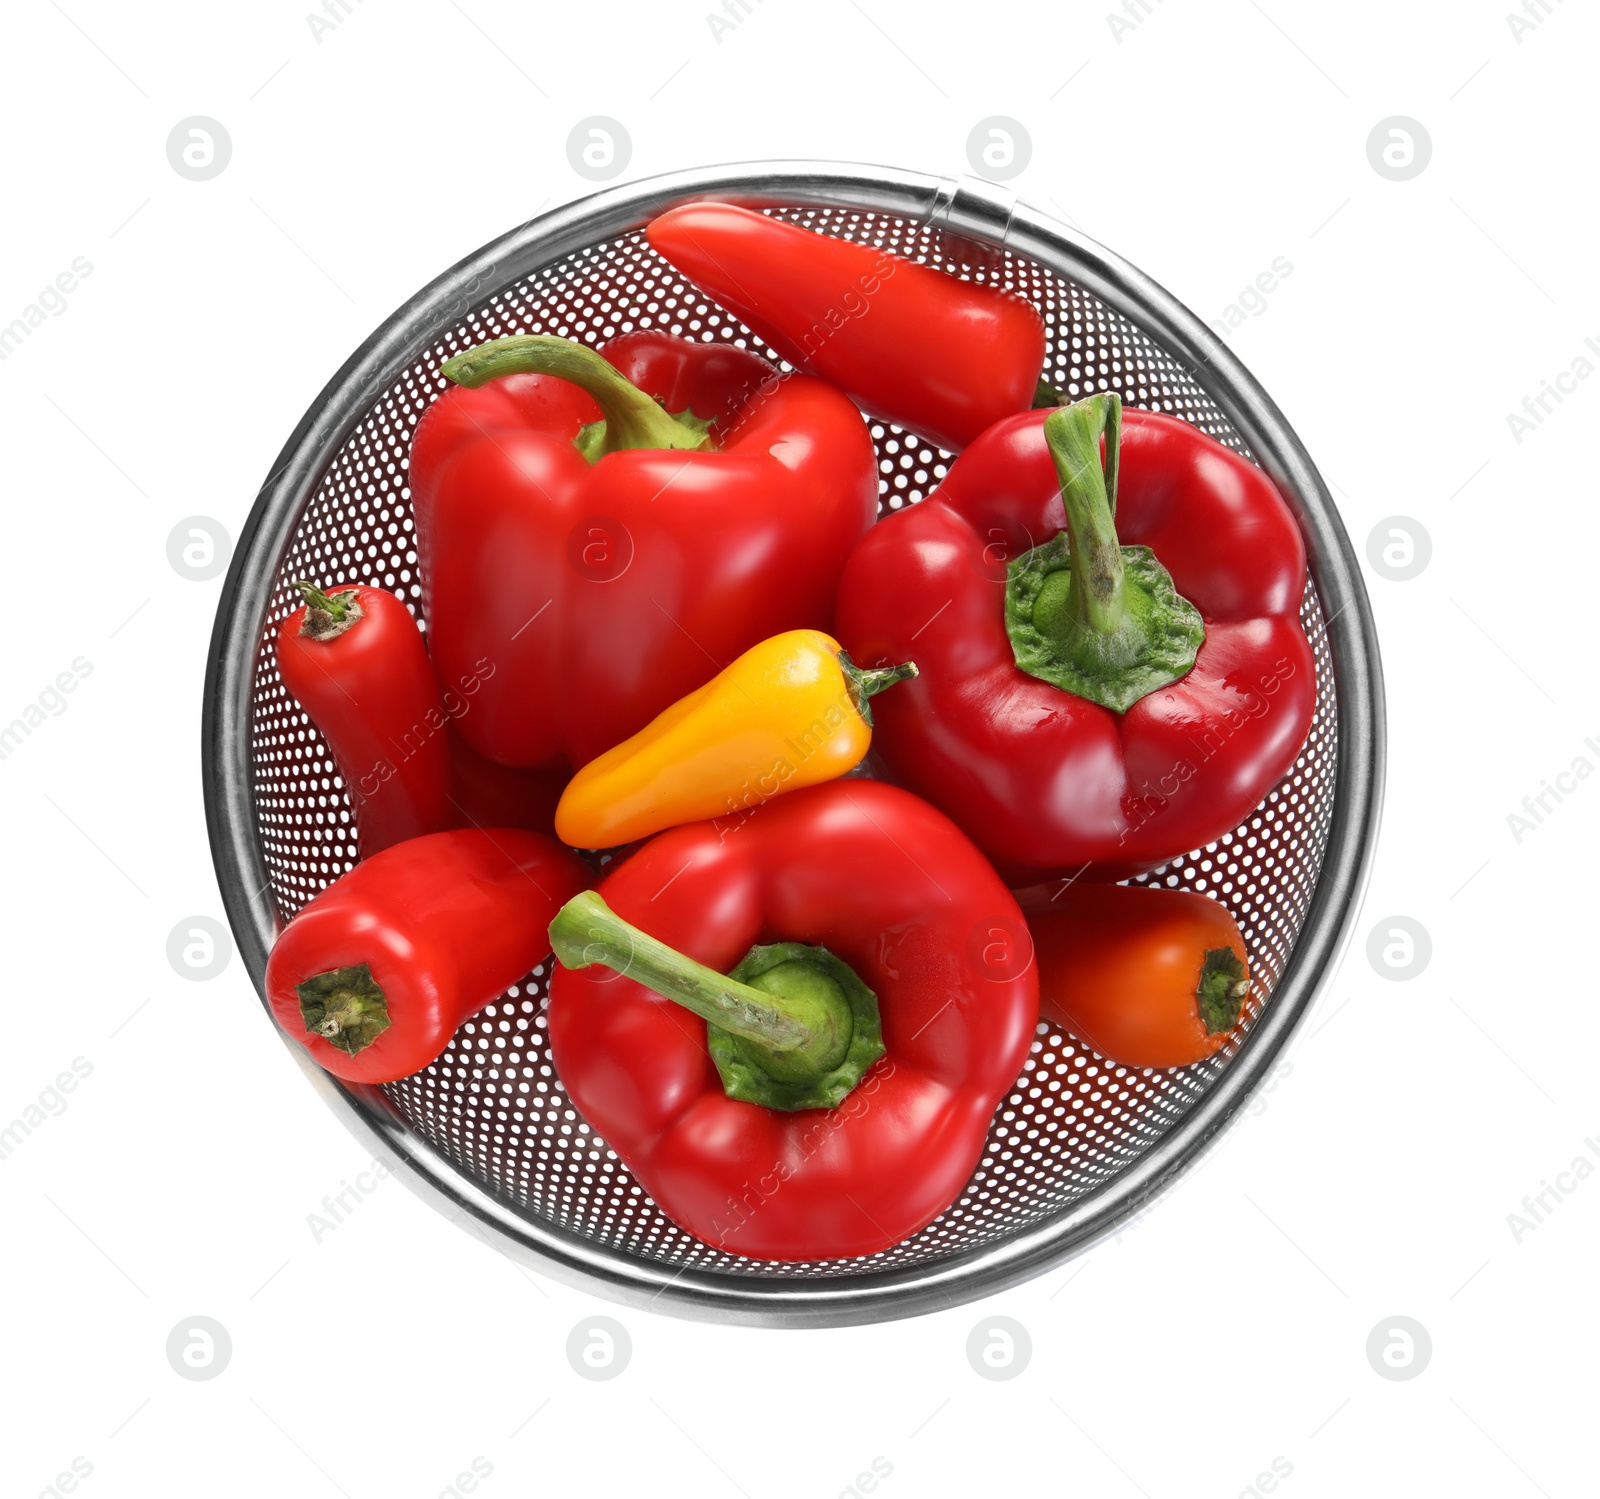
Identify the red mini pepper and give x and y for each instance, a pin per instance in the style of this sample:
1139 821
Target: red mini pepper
376 972
1084 706
863 996
912 345
354 659
607 533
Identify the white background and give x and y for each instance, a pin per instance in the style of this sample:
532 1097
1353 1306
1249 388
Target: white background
1228 1327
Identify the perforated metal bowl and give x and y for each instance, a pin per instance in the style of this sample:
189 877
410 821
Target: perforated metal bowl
488 1131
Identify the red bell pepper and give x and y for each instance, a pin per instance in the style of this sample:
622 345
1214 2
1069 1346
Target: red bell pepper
1078 708
925 350
354 659
607 557
376 972
863 996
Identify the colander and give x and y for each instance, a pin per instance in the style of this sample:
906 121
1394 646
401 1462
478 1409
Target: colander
487 1132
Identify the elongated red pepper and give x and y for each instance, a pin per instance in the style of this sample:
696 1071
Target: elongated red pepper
375 973
912 345
1085 707
863 995
604 556
354 659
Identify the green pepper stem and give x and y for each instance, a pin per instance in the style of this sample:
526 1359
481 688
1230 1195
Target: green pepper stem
792 1027
586 931
865 683
345 1006
1089 496
328 614
1224 985
1094 618
632 418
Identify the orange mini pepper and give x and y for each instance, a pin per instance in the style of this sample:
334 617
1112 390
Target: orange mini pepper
1148 977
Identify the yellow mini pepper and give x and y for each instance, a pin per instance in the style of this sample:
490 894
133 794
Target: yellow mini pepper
788 713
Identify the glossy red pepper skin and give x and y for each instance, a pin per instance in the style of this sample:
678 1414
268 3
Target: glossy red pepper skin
941 356
445 923
889 885
371 693
1046 783
599 594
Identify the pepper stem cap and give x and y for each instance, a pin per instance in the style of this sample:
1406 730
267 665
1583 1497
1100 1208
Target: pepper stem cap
328 615
1090 616
345 1007
865 682
632 418
1222 990
792 1027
